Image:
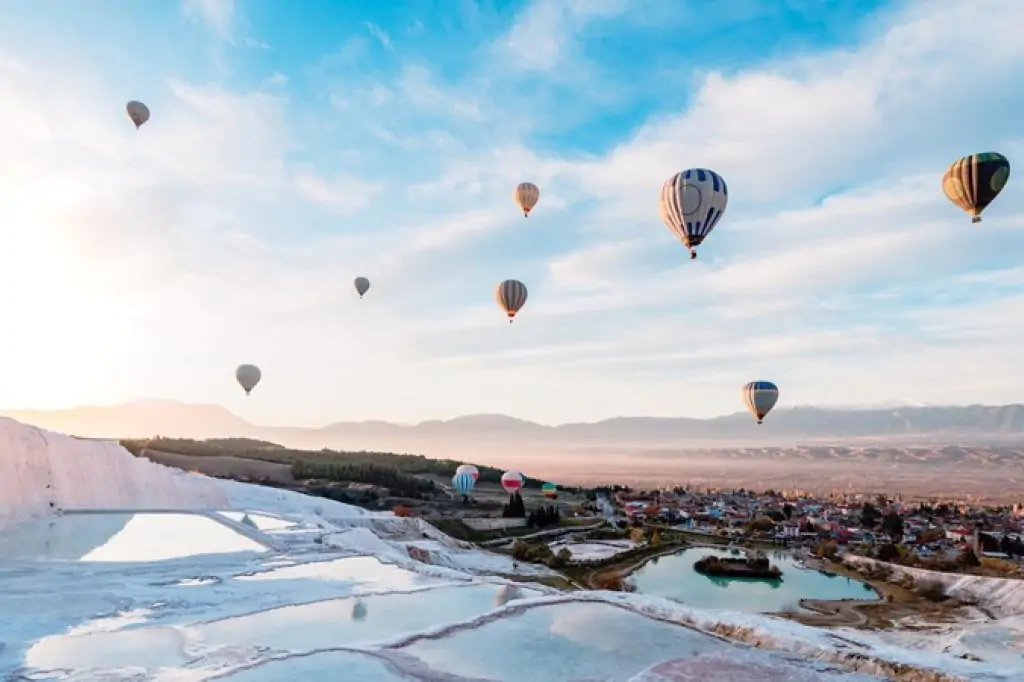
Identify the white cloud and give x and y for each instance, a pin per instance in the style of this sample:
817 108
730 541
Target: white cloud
217 14
341 194
541 36
381 35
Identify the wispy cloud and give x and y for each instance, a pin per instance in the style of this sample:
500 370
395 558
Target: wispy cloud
381 35
218 15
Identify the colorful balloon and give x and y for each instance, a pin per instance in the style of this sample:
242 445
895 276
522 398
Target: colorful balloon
362 285
137 112
511 295
512 481
248 376
526 195
692 203
760 397
462 483
468 469
549 490
973 182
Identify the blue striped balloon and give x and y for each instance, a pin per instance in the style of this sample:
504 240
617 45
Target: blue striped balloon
463 483
760 397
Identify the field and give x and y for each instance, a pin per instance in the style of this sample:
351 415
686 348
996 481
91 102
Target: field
235 468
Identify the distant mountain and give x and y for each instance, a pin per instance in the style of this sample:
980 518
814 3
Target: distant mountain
140 419
929 423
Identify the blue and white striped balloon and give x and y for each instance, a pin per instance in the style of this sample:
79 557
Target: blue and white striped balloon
463 483
692 203
760 397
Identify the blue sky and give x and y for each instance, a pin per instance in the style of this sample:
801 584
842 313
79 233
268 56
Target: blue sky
292 151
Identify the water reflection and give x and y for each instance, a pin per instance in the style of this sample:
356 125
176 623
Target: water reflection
122 537
565 642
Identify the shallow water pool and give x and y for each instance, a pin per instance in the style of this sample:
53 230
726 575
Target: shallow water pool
353 621
559 642
122 537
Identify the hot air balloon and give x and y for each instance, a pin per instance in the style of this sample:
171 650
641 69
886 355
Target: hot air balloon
137 112
692 203
549 490
362 285
468 469
511 295
512 481
248 376
526 195
973 182
463 484
760 397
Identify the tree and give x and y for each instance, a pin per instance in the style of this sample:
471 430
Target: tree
869 515
892 524
762 524
888 552
968 559
514 508
787 510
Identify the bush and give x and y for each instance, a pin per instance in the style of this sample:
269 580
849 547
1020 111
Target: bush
402 511
611 580
999 566
560 558
889 552
826 550
537 552
931 590
968 559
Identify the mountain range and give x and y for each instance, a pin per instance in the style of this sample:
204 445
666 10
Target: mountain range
953 424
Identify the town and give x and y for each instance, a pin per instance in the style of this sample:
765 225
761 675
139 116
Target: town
929 534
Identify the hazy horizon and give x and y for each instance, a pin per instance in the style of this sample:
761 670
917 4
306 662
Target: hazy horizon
919 451
289 152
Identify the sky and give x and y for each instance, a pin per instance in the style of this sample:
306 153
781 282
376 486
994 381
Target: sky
291 151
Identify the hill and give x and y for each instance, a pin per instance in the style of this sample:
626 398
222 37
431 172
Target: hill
973 423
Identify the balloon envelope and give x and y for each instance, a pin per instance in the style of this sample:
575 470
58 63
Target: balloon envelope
692 203
248 376
462 483
468 469
137 112
549 490
511 296
973 182
760 397
526 195
362 285
512 481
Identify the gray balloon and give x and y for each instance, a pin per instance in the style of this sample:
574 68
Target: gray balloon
248 376
362 285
